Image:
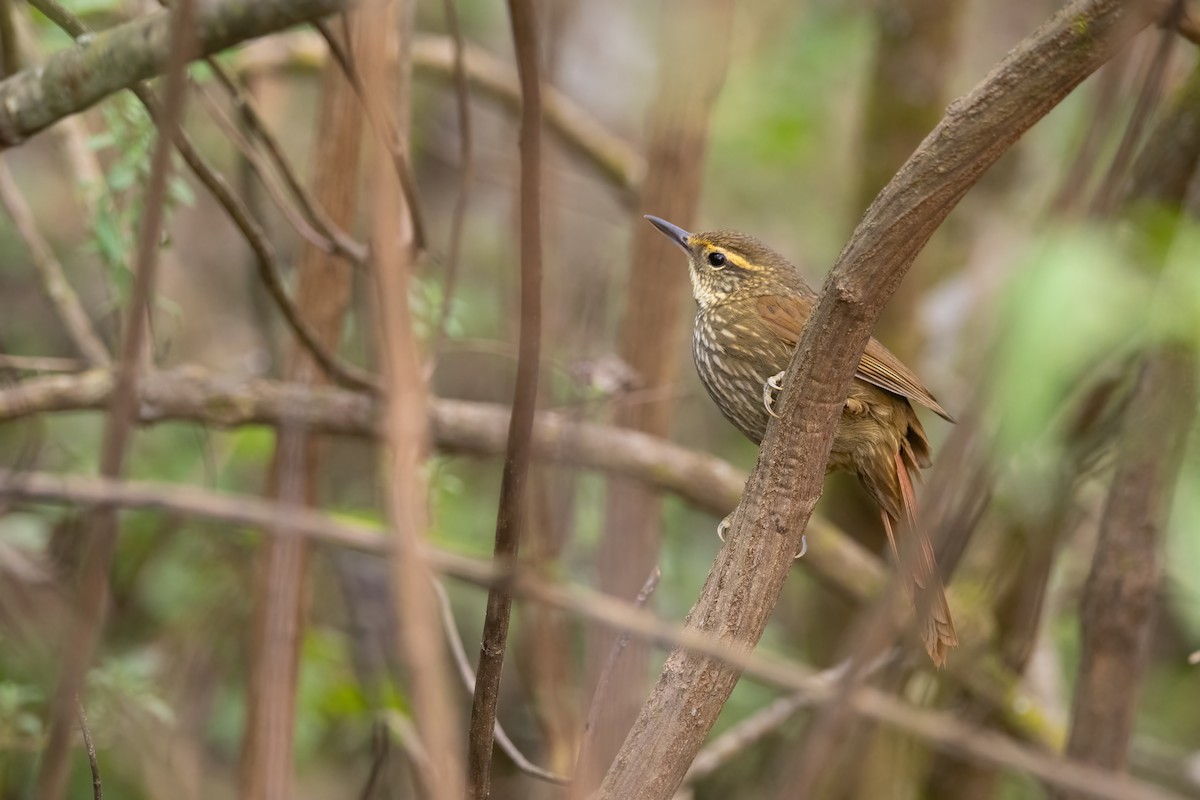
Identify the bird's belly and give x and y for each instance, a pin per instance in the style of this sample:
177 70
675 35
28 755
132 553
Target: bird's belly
734 371
734 382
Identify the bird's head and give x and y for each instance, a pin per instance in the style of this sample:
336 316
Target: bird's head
727 264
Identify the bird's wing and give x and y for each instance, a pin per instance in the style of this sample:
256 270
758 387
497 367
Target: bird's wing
785 315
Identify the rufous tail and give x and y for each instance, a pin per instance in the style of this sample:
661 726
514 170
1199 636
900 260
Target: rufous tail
919 567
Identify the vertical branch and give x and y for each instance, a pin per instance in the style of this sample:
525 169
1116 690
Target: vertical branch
466 170
510 515
1121 590
694 54
92 595
323 296
913 66
421 647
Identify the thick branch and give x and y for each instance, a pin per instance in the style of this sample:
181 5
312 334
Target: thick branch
747 578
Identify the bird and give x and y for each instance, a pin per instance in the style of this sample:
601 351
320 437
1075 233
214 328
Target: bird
751 306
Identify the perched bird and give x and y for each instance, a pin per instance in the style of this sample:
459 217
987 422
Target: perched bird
752 304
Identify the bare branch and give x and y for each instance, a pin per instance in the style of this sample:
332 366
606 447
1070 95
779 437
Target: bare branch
53 277
467 673
466 167
265 257
92 593
385 87
510 516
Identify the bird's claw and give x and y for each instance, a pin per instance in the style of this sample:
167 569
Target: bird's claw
770 386
803 547
724 526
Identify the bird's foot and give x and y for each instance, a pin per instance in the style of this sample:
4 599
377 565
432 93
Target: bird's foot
724 525
770 386
803 547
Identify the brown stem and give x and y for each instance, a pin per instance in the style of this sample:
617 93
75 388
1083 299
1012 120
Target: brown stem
53 277
519 450
93 590
747 578
466 167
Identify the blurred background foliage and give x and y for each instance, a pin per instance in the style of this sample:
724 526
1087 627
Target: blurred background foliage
1021 301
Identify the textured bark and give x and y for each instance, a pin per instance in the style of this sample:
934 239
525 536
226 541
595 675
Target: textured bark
693 55
749 572
281 585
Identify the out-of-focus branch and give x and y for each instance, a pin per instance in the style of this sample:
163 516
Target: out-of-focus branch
92 594
693 54
1117 612
385 87
582 134
265 257
281 580
511 515
747 578
940 729
76 78
466 169
467 673
53 278
620 163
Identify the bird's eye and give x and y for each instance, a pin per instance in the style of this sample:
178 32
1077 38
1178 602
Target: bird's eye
716 260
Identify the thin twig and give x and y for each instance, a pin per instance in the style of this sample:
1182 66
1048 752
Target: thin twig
53 278
387 30
582 134
268 263
467 673
90 747
466 168
510 516
385 130
600 696
1110 190
40 363
754 728
92 595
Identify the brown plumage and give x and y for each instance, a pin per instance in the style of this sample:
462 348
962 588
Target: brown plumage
751 307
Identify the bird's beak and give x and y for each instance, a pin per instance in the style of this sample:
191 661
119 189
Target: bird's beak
673 232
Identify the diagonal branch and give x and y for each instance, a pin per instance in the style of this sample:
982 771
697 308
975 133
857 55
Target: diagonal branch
747 578
54 279
76 78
